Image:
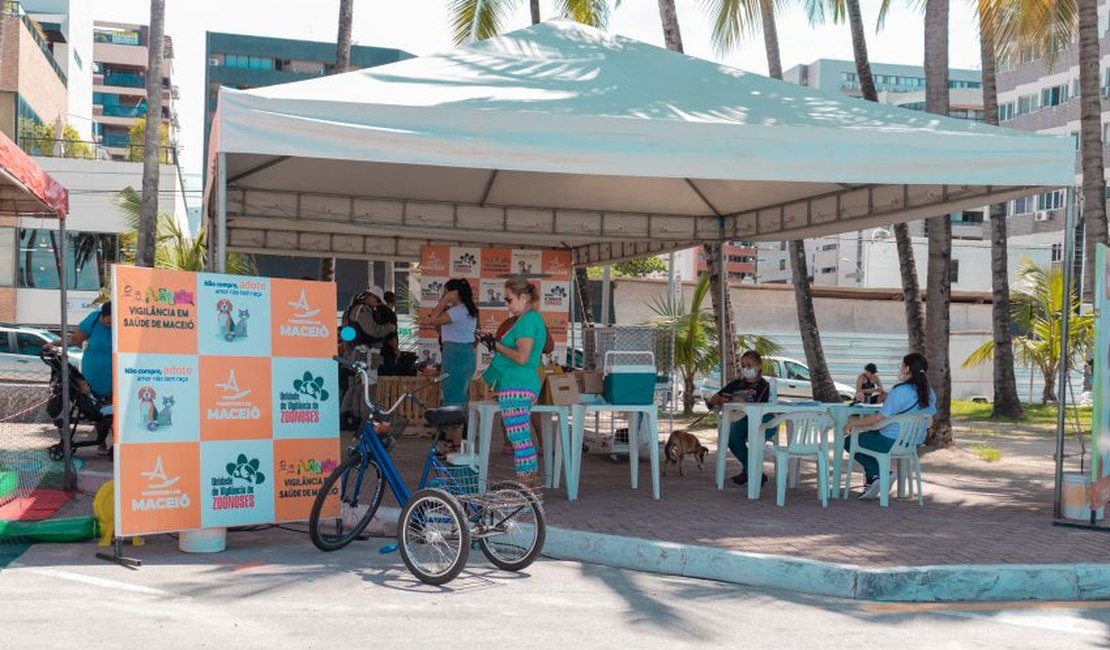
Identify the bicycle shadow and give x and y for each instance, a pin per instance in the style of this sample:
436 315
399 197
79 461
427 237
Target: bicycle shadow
473 578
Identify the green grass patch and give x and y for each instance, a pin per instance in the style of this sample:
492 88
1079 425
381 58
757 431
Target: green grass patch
1038 414
987 454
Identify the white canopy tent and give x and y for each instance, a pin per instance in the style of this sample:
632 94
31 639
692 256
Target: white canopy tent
559 135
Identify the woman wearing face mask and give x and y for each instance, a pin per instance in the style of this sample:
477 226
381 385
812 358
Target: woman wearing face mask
911 395
750 387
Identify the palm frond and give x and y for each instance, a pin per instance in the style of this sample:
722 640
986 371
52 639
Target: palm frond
588 12
477 20
732 20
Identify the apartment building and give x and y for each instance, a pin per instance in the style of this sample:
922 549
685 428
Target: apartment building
242 61
33 86
50 73
119 99
1042 95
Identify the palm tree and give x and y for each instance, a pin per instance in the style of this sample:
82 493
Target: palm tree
696 351
938 290
731 18
148 223
1038 307
1006 402
175 249
477 20
911 292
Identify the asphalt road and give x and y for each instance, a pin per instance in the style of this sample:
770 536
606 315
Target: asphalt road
272 589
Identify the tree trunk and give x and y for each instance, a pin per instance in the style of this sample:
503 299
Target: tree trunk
148 216
939 286
911 293
1048 395
1006 402
585 301
343 41
342 64
1090 130
672 35
722 313
770 38
859 50
688 395
820 380
535 7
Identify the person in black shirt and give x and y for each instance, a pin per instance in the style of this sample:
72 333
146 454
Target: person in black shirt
750 387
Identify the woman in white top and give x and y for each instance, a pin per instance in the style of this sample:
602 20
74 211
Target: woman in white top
456 316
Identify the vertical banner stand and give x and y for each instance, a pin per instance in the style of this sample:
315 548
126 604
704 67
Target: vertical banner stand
117 556
1101 361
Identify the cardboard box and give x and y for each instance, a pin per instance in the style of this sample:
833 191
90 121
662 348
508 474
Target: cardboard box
480 391
559 390
589 381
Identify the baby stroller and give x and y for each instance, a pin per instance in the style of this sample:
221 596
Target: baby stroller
86 406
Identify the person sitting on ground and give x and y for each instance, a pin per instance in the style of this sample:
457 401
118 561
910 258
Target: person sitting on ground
911 395
869 386
751 387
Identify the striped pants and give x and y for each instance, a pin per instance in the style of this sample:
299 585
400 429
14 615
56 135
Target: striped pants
516 406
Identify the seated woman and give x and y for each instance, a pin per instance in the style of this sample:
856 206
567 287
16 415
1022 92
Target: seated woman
751 387
912 395
869 387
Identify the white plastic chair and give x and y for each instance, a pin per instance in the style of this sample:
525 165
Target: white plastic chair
912 428
808 434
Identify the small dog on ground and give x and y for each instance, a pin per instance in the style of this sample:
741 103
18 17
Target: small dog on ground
678 446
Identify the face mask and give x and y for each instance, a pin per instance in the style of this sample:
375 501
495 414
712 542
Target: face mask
748 373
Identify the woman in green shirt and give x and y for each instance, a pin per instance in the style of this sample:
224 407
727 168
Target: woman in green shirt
514 371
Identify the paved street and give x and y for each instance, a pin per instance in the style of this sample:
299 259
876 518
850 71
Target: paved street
273 589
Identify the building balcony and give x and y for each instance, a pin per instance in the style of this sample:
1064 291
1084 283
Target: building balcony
121 111
124 79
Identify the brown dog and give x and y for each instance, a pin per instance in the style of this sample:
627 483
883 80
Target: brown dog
678 445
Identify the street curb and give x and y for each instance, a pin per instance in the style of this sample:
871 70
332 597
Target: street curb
938 583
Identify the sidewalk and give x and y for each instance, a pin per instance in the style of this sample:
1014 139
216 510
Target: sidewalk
984 533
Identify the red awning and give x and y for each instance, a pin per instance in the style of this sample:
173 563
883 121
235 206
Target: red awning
25 189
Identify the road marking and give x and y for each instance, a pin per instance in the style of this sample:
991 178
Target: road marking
100 582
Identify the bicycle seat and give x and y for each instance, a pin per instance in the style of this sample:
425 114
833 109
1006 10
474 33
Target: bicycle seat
446 416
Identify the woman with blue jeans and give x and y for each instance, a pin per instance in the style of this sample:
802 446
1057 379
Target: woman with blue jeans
456 316
912 396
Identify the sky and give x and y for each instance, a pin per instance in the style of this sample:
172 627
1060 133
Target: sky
421 27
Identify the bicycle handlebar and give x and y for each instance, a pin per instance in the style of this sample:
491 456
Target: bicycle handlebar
363 369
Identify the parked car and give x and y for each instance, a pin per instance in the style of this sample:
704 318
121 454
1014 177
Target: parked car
789 379
19 354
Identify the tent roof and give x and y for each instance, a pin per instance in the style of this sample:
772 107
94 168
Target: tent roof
561 135
25 189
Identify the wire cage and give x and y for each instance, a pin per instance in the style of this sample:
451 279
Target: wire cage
597 341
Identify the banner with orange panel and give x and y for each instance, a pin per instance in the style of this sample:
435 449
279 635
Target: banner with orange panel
487 269
226 398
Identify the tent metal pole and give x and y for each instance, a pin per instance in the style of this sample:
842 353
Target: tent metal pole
606 295
722 326
1061 400
221 213
69 478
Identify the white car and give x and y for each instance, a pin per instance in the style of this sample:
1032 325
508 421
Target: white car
789 379
19 354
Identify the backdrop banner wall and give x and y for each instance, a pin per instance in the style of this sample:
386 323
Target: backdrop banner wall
225 398
487 269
